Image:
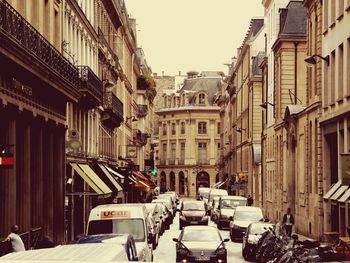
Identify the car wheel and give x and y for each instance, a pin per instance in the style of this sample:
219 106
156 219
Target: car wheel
244 254
154 242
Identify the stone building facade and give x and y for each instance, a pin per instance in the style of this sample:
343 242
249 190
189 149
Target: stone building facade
189 135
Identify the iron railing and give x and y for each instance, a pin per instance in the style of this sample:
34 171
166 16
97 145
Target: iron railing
17 30
90 82
112 103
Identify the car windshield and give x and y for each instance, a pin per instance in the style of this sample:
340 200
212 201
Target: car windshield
258 229
134 227
200 235
193 206
231 204
253 216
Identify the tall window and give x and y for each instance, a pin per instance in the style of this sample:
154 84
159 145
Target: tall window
340 71
202 127
165 102
348 66
325 14
340 7
202 152
182 151
183 130
218 128
201 99
164 129
332 84
173 150
173 129
164 151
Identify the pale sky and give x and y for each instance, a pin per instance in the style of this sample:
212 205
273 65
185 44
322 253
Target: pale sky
183 35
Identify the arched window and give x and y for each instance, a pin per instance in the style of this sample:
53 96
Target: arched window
165 102
183 127
201 99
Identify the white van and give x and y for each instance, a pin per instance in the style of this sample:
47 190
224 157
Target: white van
212 193
112 248
123 219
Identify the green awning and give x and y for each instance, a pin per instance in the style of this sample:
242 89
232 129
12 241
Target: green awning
92 179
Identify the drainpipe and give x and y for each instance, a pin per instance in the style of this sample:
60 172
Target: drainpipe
295 72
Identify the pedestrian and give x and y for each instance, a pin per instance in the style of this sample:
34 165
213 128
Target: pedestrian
288 222
250 200
16 241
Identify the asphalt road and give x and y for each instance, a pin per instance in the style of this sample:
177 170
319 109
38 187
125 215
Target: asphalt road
165 252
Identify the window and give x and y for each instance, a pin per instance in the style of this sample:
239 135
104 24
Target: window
325 14
332 12
202 128
201 99
218 128
340 72
332 80
202 152
173 129
164 151
219 146
182 151
164 129
165 102
173 151
340 8
183 130
348 67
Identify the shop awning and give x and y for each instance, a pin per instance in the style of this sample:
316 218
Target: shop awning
143 185
138 174
92 179
110 177
345 196
332 190
219 184
115 173
339 192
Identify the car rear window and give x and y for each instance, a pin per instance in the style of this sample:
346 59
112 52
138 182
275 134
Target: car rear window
200 235
134 227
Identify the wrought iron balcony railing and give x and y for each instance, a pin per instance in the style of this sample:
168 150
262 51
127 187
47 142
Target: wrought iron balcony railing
113 112
91 86
142 110
16 32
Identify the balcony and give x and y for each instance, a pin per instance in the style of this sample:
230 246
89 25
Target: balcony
91 87
202 161
113 113
22 42
142 110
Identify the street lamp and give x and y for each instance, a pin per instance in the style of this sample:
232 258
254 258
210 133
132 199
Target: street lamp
312 59
264 105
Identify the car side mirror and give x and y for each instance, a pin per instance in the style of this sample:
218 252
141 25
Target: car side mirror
295 237
226 240
175 239
266 220
230 218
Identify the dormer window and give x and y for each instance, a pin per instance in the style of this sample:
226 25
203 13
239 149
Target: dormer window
201 99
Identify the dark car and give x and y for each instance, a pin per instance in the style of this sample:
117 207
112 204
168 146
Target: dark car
251 238
200 244
192 213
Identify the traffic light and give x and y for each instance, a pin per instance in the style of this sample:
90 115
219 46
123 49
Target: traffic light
154 171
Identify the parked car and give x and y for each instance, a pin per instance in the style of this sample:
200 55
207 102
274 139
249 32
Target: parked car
203 194
167 211
175 196
243 216
200 243
192 213
212 193
157 213
173 199
168 201
227 207
215 209
251 238
153 231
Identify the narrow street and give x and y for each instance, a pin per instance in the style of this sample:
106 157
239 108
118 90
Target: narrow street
165 252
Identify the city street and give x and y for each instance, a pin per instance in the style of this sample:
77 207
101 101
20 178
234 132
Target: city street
165 252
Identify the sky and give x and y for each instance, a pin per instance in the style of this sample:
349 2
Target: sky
183 35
